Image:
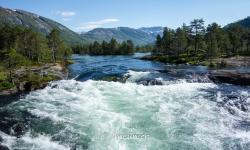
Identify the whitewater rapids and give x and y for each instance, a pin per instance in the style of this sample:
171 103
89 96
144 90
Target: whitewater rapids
151 106
127 116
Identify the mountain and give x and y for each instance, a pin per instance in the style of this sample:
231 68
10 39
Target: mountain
153 30
141 36
37 23
244 23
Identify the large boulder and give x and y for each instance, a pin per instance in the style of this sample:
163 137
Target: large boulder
2 147
232 77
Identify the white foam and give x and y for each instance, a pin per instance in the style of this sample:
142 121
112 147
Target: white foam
41 142
135 75
99 109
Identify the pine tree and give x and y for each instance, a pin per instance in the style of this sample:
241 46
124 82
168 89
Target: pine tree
181 40
113 45
198 31
158 44
130 47
54 43
167 40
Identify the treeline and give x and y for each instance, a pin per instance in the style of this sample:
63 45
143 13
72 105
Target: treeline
105 48
195 42
22 46
32 45
144 48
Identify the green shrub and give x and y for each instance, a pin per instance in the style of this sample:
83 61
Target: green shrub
3 76
6 85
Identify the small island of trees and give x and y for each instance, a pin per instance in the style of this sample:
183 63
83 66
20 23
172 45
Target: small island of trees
195 43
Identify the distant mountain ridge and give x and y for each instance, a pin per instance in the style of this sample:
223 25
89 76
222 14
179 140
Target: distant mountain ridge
141 36
243 22
153 30
37 23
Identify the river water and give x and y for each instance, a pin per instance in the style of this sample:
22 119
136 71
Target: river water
123 103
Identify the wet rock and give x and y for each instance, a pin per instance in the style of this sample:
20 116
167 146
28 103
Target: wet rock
147 57
10 125
243 125
231 111
150 82
168 71
9 91
54 86
28 86
234 102
2 147
155 82
21 86
22 83
19 129
111 78
244 107
1 139
231 77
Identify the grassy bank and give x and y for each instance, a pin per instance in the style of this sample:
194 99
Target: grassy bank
28 78
236 61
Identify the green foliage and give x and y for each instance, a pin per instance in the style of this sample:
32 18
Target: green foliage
54 42
6 85
145 48
31 45
3 76
14 59
36 79
193 44
106 48
24 47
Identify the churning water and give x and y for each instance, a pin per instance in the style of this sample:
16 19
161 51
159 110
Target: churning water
146 108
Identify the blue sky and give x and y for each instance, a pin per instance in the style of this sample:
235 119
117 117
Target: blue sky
83 15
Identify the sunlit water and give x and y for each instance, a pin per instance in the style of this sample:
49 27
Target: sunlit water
184 110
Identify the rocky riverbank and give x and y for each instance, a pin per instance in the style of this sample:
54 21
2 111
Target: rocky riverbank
219 74
231 77
35 77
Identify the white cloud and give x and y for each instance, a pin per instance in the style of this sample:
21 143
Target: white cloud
66 14
96 24
66 19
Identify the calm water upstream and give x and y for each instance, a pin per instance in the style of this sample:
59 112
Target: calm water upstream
123 103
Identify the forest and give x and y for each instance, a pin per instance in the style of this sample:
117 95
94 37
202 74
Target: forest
21 46
194 43
105 48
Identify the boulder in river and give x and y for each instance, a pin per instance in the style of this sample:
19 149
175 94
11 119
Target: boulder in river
232 77
150 82
19 129
2 147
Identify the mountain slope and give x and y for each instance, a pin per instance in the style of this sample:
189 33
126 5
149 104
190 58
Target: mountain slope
153 30
244 23
37 23
140 36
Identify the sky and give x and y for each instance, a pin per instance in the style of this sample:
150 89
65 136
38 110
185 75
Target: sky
84 15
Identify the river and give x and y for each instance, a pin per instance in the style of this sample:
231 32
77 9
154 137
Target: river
124 103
